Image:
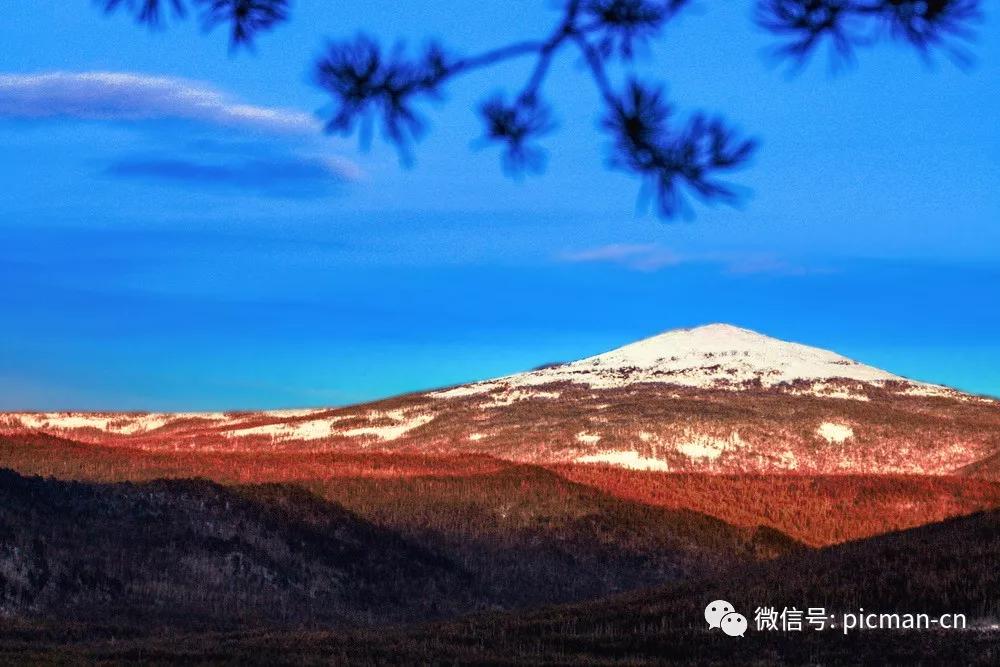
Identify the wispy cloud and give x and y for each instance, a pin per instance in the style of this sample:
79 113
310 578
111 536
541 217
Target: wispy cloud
654 257
285 176
642 257
123 96
769 264
268 150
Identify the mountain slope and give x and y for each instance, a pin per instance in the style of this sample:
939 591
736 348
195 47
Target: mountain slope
192 554
462 494
715 398
941 568
195 554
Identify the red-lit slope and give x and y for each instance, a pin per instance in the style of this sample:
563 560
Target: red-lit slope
712 399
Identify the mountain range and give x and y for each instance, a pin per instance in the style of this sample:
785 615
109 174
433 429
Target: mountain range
579 513
715 398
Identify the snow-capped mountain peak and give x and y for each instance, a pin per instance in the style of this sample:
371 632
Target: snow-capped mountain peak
712 398
713 356
702 355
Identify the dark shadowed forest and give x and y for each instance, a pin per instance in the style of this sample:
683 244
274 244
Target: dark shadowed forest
314 557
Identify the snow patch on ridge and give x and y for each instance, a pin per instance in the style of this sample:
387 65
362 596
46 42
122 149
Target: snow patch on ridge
929 390
624 459
834 433
390 432
465 390
68 422
827 390
700 446
291 413
314 429
228 426
122 424
514 395
697 450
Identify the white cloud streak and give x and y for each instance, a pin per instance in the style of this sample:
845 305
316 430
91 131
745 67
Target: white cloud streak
639 256
654 257
122 96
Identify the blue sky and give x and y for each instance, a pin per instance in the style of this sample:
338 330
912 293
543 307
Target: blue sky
163 254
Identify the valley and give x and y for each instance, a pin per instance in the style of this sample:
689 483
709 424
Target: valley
567 514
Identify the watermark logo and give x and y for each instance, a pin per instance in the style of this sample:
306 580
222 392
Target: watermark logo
721 614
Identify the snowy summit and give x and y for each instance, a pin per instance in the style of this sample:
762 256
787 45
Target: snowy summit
714 398
710 357
707 355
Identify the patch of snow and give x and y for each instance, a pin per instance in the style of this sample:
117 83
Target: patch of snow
624 459
834 433
476 437
143 424
64 421
697 450
825 390
206 416
700 446
464 390
589 438
124 424
314 429
788 461
393 431
512 396
294 412
929 390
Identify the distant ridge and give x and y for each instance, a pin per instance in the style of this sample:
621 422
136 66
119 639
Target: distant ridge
715 398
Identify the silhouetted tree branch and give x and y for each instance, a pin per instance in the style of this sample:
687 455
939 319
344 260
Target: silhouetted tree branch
846 24
368 84
245 17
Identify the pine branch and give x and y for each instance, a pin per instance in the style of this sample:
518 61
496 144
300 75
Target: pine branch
368 85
